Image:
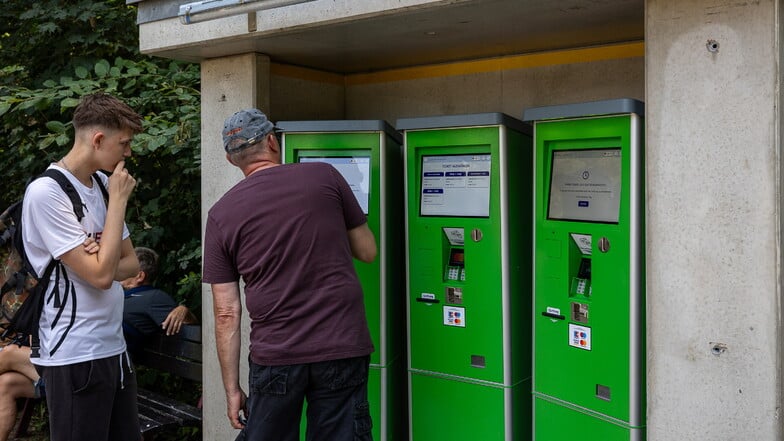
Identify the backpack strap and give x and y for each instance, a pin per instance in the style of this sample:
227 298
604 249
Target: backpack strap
104 191
31 309
69 190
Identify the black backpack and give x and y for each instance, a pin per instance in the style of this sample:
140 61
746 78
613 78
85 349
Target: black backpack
22 292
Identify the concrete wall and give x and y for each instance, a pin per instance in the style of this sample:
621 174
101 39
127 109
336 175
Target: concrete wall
227 85
713 161
161 32
305 94
507 91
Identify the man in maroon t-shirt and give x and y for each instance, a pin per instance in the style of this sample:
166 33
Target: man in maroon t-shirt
289 232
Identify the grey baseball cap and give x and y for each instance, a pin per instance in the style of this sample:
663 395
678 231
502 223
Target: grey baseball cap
244 129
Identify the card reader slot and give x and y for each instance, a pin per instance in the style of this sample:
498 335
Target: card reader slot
420 299
553 315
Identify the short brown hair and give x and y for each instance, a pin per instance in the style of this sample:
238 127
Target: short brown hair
148 262
101 109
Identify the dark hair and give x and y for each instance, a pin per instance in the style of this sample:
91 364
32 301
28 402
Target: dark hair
148 262
100 109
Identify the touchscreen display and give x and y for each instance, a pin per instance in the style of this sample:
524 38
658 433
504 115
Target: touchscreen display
455 185
585 185
354 169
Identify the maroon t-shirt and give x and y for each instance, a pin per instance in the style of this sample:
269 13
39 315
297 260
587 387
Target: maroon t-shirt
283 231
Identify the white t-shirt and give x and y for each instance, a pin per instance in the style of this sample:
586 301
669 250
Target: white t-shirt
87 322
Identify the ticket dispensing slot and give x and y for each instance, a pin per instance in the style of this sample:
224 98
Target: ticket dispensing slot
454 255
580 265
453 265
580 289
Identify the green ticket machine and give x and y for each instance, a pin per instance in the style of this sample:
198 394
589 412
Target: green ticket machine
589 287
368 154
468 261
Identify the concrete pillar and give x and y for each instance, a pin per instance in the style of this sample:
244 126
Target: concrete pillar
713 223
227 85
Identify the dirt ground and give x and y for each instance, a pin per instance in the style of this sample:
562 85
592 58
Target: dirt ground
38 430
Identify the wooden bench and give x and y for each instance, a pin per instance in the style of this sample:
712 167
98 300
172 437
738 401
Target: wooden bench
179 355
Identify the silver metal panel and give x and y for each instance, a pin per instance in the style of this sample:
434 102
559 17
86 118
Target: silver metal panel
384 398
533 267
581 110
407 290
334 126
463 121
509 416
636 296
383 243
506 313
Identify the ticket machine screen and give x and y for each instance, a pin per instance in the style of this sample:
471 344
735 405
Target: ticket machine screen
354 169
455 185
585 185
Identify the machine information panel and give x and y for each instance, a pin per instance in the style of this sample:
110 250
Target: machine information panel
354 169
585 185
456 185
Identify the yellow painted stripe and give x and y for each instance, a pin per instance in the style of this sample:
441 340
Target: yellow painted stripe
583 55
302 73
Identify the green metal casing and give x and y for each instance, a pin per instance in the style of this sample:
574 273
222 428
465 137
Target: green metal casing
589 345
470 380
382 280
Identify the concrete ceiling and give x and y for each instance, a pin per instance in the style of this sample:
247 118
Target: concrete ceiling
464 30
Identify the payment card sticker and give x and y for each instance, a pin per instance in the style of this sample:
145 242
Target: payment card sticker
580 337
454 316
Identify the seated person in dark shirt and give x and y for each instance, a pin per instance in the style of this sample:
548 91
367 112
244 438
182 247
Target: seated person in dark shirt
149 310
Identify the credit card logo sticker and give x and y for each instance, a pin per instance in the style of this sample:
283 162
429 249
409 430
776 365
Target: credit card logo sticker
580 337
454 316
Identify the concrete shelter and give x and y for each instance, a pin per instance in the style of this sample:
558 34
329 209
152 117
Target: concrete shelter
709 74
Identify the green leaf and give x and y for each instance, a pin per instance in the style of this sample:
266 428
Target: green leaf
63 139
68 103
26 104
48 28
81 72
55 126
102 68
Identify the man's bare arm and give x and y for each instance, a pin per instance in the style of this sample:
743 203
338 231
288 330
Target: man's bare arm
363 243
227 308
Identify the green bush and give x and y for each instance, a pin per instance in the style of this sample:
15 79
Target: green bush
164 213
52 53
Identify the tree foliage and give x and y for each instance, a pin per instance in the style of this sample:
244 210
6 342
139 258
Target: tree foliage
46 36
54 52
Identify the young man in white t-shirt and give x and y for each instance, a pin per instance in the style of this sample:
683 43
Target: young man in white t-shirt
91 387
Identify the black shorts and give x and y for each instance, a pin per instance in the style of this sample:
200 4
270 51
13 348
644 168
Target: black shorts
92 400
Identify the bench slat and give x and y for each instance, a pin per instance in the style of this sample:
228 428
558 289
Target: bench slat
176 366
179 355
154 404
174 347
